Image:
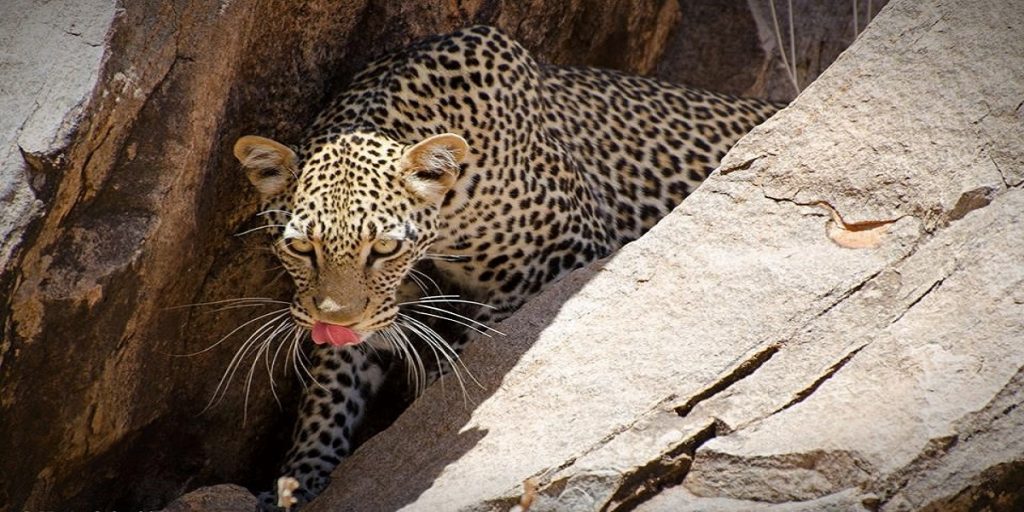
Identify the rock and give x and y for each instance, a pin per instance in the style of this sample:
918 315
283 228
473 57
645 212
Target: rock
58 52
744 58
832 322
122 202
217 498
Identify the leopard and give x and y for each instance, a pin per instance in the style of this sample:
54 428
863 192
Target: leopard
461 162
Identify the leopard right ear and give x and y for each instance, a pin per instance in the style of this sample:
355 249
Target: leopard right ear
270 165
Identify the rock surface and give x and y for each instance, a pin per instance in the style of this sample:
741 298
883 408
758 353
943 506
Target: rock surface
216 498
832 322
120 202
744 58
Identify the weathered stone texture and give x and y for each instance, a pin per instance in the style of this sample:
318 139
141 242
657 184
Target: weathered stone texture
745 57
216 498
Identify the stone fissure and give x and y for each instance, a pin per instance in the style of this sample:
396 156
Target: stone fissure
834 213
1002 175
741 371
670 469
824 377
932 288
742 166
83 173
995 416
842 298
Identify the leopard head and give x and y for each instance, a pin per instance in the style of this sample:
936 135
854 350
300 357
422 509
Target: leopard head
349 220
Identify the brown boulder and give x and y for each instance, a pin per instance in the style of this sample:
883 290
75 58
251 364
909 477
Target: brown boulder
216 498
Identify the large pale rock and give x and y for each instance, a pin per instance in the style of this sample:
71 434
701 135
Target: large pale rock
832 322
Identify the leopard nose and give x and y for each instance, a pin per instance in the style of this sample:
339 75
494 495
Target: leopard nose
333 311
327 304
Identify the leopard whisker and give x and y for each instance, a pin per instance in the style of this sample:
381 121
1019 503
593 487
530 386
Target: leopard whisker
398 326
268 212
421 373
468 326
431 336
294 357
443 299
248 300
456 318
452 258
228 335
428 278
300 358
415 368
285 327
239 306
419 282
303 360
421 383
263 348
273 363
391 342
373 350
394 343
257 228
255 341
229 372
389 337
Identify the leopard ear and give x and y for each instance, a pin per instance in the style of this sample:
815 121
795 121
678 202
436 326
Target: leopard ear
431 167
270 165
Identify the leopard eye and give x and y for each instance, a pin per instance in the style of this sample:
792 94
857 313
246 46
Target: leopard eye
385 247
300 247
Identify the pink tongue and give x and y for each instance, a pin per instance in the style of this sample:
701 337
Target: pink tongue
335 335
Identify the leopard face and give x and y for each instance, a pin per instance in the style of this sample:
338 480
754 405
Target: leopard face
351 219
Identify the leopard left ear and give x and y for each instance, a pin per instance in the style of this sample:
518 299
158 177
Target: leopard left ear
431 167
269 164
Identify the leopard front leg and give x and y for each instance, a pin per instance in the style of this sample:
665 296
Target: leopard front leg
345 379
